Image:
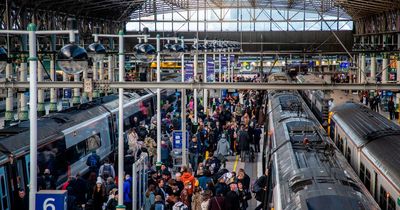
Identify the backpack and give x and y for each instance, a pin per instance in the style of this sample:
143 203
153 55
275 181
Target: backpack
106 171
92 161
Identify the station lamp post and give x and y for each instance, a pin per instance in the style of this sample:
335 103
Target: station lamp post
144 52
72 64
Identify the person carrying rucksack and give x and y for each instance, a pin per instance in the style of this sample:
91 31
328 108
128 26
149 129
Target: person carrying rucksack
93 162
106 170
260 188
158 204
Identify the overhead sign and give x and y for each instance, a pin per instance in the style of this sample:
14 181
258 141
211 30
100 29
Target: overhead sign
210 70
224 63
189 72
177 139
51 200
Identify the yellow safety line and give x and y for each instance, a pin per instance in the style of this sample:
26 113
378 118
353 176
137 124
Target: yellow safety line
236 162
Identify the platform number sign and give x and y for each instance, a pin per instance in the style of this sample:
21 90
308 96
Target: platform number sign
51 200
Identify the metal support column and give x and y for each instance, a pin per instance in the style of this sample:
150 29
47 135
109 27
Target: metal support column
65 101
95 77
53 91
205 93
121 120
41 110
101 74
110 71
195 65
9 115
183 112
23 113
363 69
77 92
32 114
373 68
158 101
384 72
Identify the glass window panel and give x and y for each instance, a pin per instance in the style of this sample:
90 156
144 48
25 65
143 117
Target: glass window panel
313 26
345 25
245 26
245 14
296 15
180 15
232 14
213 14
311 16
229 26
279 26
132 26
296 26
330 17
279 15
148 18
166 16
327 25
214 26
263 26
262 14
180 26
150 25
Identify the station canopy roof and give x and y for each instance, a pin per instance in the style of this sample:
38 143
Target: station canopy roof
122 10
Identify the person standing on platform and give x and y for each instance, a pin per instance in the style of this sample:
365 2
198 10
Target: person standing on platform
93 162
128 191
99 195
106 170
232 201
391 109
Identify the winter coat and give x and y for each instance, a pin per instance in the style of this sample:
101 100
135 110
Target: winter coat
244 196
133 141
151 146
223 147
244 141
187 177
232 201
217 203
196 201
149 201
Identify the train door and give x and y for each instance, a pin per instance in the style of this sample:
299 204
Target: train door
4 197
27 167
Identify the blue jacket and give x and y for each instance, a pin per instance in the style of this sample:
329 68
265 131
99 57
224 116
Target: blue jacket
203 180
128 190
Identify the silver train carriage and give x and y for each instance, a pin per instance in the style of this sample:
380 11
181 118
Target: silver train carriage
371 144
307 170
66 139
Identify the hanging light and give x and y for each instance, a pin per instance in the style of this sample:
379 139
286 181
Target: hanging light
167 46
96 51
72 59
198 47
145 53
3 59
177 50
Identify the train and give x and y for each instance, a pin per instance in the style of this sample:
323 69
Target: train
371 144
306 169
67 138
316 100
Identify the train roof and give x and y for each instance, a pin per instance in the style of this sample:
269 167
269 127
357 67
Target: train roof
314 174
378 137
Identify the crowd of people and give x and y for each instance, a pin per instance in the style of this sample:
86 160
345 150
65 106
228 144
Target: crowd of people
232 125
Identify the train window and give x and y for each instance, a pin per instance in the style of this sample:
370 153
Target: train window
362 172
52 156
367 179
382 198
391 204
93 143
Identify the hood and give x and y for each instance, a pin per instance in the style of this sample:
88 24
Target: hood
187 177
223 140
